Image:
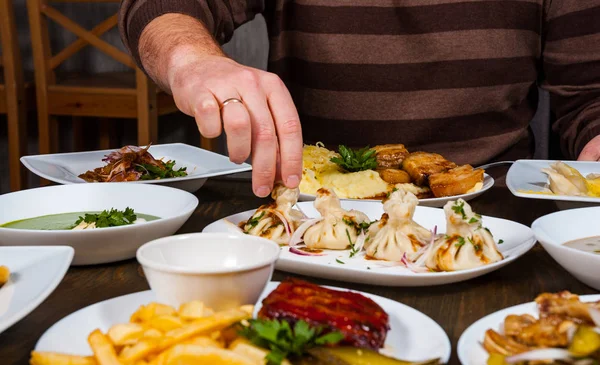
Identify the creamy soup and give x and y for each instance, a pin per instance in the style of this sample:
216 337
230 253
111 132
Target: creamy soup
57 221
589 244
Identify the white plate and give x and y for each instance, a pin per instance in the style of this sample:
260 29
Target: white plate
413 335
527 175
488 182
35 273
518 239
102 245
470 349
64 168
582 223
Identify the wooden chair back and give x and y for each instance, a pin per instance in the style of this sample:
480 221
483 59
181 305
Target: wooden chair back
12 95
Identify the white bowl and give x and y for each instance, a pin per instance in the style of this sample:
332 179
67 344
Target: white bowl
223 270
102 245
555 229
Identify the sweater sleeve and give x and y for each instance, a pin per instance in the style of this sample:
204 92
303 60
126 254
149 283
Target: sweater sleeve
571 70
221 17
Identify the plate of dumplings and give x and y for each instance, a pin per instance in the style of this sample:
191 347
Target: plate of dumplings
391 243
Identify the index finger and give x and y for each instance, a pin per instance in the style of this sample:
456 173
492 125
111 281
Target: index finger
289 130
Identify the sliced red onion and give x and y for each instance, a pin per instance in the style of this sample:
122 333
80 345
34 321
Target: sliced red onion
304 253
595 314
360 241
412 266
427 249
286 223
541 354
233 228
297 236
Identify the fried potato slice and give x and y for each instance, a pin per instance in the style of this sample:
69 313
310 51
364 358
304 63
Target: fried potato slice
165 323
394 176
103 349
456 181
4 275
194 310
421 165
390 155
51 358
198 355
204 341
147 312
244 347
125 334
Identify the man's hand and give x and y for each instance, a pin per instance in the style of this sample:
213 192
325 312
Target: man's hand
591 151
182 57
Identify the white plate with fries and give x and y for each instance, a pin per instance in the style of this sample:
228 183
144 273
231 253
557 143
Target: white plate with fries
28 275
470 349
516 240
64 168
413 336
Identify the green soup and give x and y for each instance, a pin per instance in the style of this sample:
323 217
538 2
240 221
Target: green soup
54 222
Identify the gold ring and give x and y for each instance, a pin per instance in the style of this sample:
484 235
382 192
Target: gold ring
231 100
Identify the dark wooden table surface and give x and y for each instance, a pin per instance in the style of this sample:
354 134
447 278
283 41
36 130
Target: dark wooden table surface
453 306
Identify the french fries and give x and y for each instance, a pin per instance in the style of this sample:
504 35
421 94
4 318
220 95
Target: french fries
4 275
158 334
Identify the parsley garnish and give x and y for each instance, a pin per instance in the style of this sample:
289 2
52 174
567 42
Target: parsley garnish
254 220
390 192
153 172
353 249
283 341
459 208
500 242
339 261
487 229
461 241
473 220
355 160
112 218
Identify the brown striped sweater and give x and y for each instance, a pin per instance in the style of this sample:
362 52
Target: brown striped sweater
457 77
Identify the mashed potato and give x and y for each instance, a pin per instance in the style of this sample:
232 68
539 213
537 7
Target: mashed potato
319 171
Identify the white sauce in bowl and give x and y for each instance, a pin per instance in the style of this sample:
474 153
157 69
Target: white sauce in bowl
589 244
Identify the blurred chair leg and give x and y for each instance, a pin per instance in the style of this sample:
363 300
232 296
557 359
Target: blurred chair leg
107 133
147 110
78 135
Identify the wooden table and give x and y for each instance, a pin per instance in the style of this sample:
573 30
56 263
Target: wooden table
453 306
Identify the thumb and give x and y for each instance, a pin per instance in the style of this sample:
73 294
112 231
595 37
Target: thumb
591 151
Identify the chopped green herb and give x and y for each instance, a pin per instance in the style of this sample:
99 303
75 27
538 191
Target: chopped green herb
283 341
252 222
112 218
355 160
461 241
353 249
500 242
487 229
368 268
473 220
339 261
459 208
390 192
153 172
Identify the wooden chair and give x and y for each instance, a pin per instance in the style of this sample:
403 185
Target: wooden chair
114 95
12 95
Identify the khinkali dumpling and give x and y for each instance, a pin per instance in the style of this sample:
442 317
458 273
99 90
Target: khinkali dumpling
565 180
397 233
339 228
467 244
276 220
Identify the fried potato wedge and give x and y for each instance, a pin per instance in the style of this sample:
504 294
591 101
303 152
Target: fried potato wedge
51 358
125 334
103 349
394 176
456 181
245 348
421 165
194 310
390 155
198 355
147 312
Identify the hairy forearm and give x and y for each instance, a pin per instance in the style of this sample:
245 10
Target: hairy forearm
173 39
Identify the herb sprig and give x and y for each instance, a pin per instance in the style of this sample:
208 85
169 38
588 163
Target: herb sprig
112 218
282 340
355 160
153 172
